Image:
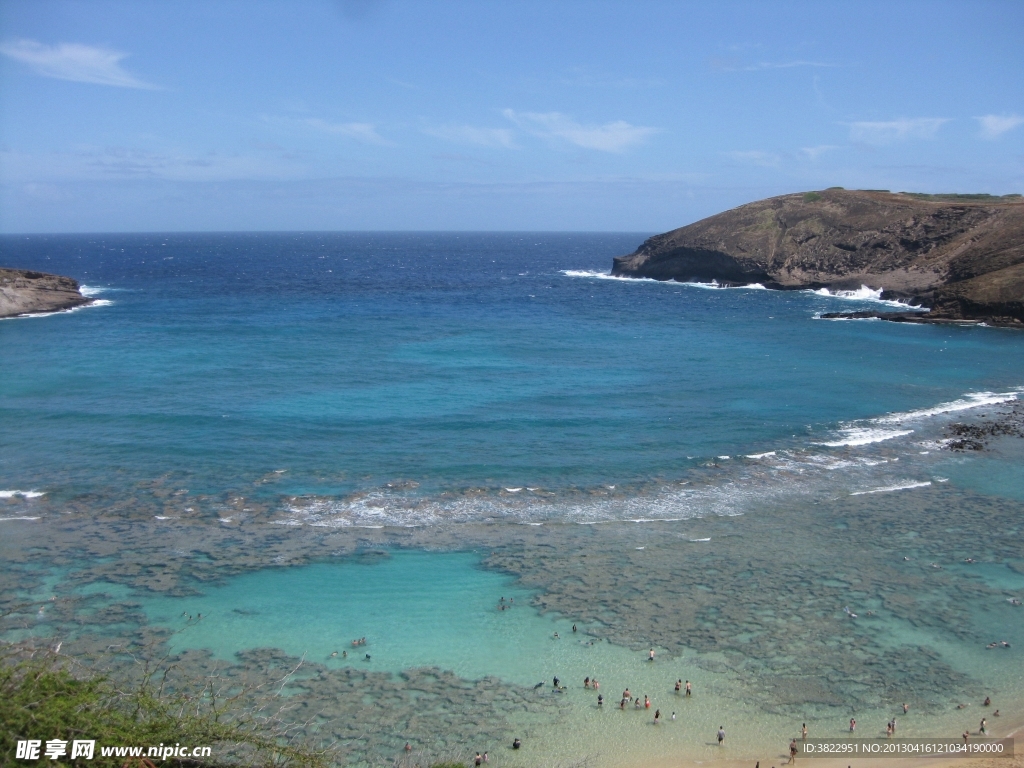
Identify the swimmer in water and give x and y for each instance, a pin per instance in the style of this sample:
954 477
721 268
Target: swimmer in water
647 702
687 687
600 700
650 656
334 654
516 743
657 716
679 685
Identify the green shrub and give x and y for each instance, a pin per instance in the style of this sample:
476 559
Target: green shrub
41 699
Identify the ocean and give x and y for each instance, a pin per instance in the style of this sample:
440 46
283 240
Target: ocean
310 438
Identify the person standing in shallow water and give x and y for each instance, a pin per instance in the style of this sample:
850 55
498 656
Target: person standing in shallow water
721 734
792 751
803 732
688 689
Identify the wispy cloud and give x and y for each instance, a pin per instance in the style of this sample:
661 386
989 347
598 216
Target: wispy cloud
734 65
128 163
993 126
74 61
469 134
579 77
813 153
364 132
896 130
610 137
755 157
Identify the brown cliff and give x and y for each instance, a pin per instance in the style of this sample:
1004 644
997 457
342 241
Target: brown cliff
24 292
960 255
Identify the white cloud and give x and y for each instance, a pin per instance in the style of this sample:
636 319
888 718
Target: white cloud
468 134
610 137
734 65
73 61
365 132
127 163
993 126
896 130
754 157
785 65
813 153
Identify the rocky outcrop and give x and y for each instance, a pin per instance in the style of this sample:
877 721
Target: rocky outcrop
960 255
24 292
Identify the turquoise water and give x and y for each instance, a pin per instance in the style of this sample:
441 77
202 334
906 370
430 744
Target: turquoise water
415 609
453 361
247 419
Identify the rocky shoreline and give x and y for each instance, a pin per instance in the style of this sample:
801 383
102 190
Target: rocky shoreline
960 255
25 292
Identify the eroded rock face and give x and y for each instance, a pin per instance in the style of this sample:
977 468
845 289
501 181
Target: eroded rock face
963 256
24 292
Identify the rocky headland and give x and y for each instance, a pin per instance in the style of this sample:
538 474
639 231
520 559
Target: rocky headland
24 292
960 256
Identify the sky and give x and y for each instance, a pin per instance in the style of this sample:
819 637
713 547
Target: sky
560 116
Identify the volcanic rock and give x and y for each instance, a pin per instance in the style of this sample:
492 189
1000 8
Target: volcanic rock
960 255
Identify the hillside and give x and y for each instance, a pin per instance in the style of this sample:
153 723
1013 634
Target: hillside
960 255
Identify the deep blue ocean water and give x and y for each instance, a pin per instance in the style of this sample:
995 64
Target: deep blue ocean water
435 363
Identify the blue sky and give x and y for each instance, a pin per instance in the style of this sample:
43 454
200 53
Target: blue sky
364 115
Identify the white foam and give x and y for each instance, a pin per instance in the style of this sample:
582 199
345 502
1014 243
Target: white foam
712 286
696 540
968 401
889 488
764 455
864 293
595 275
23 494
513 490
91 290
18 518
851 436
93 303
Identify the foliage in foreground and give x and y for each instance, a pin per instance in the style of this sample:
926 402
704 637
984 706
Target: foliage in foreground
41 699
